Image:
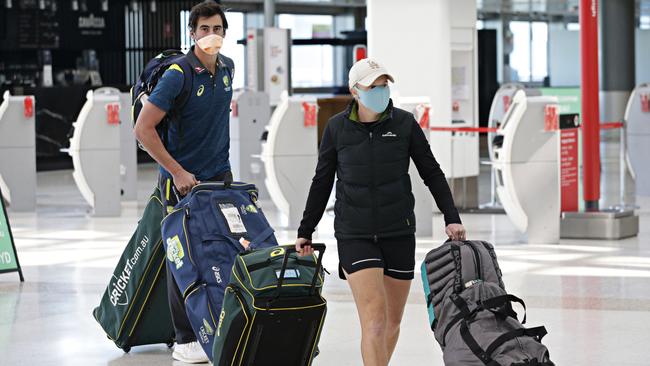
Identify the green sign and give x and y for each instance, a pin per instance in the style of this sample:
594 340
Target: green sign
568 99
8 257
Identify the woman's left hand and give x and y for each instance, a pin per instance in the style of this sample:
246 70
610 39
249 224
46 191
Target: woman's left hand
455 232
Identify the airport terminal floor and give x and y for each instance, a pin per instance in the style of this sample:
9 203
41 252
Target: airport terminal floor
593 296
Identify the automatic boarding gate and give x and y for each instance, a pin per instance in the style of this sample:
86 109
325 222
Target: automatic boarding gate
18 151
95 152
251 112
637 124
526 163
290 154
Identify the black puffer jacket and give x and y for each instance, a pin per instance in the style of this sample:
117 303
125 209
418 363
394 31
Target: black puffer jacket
373 189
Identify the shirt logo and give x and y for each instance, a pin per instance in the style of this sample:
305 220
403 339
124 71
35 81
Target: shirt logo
389 134
198 69
226 80
200 91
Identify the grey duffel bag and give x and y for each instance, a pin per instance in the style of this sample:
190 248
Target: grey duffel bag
470 312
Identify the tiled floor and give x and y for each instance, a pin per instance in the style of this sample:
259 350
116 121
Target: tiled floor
593 296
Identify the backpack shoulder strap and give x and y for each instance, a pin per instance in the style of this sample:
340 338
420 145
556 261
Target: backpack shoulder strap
185 68
188 79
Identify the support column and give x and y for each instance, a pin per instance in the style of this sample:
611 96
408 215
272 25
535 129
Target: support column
415 49
269 13
594 224
617 71
590 104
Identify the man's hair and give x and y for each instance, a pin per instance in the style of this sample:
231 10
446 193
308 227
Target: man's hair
206 9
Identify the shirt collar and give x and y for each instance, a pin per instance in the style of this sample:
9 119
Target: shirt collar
196 64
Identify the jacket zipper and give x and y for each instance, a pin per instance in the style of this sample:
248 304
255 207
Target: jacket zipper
373 188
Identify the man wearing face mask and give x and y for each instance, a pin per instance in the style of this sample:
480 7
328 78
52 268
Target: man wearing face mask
198 140
369 147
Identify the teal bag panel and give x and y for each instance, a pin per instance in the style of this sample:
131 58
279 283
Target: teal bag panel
427 294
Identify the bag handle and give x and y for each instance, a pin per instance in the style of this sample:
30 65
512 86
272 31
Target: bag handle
318 247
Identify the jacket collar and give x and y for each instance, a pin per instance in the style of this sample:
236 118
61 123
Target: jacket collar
351 112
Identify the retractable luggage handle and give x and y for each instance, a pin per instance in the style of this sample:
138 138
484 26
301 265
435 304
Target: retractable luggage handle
226 183
318 247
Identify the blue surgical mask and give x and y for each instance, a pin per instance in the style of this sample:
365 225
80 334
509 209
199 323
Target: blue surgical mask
376 99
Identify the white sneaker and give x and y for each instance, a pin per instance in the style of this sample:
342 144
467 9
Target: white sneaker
190 353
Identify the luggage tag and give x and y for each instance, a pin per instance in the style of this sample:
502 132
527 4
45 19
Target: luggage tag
288 273
233 218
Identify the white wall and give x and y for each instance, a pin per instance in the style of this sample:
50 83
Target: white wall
642 60
415 49
564 56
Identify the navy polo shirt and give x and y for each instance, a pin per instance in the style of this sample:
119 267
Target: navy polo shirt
205 144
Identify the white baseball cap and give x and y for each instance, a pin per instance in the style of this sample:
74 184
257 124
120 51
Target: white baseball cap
366 71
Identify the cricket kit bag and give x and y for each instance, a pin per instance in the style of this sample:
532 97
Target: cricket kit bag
470 312
202 237
134 309
273 311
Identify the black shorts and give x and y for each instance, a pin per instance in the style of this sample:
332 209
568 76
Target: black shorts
395 255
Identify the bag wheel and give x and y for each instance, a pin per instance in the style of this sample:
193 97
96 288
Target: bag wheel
170 344
126 349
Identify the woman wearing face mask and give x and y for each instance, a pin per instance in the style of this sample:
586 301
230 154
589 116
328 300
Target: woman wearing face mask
368 147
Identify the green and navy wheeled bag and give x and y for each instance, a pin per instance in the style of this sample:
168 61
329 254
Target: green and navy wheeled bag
203 236
134 309
273 311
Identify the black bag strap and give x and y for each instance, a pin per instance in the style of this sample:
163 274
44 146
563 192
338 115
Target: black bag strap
534 362
474 346
486 355
491 303
461 304
504 300
464 313
458 276
537 333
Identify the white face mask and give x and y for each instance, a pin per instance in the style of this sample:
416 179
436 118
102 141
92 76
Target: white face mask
210 44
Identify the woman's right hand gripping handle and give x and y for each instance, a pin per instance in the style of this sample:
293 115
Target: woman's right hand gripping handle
303 247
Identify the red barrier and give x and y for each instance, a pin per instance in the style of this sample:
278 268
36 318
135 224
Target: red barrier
611 125
603 126
465 129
